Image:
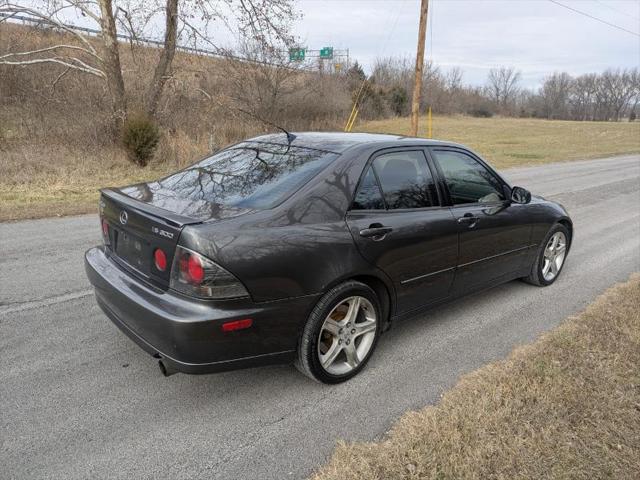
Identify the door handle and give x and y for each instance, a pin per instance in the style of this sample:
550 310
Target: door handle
375 231
470 219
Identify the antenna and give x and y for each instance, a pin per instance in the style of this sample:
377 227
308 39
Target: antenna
290 136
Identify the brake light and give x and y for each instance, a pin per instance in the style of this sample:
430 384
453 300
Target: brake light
195 271
105 232
196 275
160 259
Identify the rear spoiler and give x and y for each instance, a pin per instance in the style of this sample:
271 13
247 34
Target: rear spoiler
169 217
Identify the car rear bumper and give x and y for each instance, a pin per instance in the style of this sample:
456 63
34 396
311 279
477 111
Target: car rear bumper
186 333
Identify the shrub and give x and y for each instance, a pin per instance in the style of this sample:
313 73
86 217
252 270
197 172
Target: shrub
482 112
140 137
398 99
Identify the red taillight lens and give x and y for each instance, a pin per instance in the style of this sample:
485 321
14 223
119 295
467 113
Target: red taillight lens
196 275
195 269
105 232
237 325
161 259
192 269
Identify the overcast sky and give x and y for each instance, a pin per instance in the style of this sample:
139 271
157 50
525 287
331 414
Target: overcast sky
535 36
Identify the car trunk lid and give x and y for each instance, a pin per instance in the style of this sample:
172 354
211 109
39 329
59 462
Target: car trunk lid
136 229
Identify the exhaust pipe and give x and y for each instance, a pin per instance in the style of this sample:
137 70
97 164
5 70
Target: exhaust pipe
166 370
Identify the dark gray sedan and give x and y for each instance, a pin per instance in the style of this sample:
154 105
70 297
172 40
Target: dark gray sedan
304 248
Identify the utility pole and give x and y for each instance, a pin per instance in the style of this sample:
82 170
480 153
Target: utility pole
417 84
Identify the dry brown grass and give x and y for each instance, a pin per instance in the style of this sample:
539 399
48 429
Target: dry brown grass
45 178
56 144
56 150
567 406
510 142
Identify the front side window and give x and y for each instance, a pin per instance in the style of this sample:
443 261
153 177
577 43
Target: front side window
406 180
467 180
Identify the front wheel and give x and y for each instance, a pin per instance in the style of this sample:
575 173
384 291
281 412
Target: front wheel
550 259
340 334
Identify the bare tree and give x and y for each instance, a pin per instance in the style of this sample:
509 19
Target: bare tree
502 86
453 79
555 93
166 57
111 62
618 88
582 97
262 21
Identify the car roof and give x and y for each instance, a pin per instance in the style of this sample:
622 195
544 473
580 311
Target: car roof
338 142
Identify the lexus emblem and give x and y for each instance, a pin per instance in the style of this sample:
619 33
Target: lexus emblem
124 217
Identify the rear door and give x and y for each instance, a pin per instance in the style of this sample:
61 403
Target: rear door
494 234
399 224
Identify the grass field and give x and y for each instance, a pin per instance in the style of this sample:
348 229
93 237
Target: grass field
510 142
567 406
48 180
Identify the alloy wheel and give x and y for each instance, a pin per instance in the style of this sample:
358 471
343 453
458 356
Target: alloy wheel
347 335
554 255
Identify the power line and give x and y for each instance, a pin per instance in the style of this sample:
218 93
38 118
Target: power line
595 18
626 14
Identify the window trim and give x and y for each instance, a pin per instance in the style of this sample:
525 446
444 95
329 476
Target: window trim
434 175
482 163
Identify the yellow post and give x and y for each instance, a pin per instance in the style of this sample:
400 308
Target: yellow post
346 127
429 124
354 110
353 120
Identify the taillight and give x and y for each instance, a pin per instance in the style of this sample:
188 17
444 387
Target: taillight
105 231
160 259
196 275
195 270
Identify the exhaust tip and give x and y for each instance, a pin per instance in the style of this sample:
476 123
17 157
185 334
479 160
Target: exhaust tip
165 369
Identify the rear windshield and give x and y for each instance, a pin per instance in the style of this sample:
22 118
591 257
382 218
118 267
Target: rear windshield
249 175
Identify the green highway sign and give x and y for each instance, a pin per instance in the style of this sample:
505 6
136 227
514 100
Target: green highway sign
296 54
326 52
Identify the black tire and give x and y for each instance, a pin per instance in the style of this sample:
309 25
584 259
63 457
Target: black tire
308 361
536 277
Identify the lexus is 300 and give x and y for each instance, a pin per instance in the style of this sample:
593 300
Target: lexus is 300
305 247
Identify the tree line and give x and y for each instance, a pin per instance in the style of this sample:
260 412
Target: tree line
73 88
612 95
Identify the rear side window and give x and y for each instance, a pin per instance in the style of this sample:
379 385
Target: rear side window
467 180
406 180
368 196
249 175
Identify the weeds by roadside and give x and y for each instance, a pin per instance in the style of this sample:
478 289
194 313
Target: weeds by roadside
567 406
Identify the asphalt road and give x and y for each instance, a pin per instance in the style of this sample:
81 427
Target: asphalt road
79 400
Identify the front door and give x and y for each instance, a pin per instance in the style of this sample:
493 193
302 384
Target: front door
399 225
494 234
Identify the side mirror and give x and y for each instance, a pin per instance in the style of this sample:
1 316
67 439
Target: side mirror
520 195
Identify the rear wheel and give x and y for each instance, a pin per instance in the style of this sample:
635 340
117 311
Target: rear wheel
340 334
550 259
